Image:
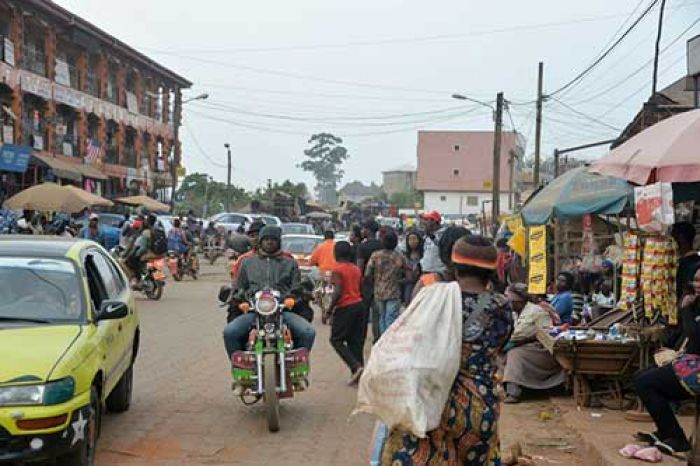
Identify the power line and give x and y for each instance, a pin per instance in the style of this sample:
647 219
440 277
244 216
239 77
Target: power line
390 41
643 67
602 56
581 114
199 147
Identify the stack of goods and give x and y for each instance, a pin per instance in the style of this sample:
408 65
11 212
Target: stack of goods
615 333
630 271
659 278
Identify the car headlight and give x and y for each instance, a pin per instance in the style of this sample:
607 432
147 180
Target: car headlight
51 393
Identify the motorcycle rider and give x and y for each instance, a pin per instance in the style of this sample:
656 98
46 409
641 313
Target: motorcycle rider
93 231
269 268
140 250
178 240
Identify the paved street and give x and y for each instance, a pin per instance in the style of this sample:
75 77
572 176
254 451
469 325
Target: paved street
183 412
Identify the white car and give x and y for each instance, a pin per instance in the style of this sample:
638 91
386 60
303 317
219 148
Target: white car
297 229
267 219
230 221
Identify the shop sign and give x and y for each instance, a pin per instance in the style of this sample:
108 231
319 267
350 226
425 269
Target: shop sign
181 172
36 85
62 73
68 96
8 134
9 52
38 142
14 158
537 276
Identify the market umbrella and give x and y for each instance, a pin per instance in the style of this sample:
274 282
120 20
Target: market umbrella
147 202
668 151
50 197
575 193
93 199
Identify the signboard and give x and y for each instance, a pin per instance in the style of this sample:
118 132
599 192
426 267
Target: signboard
68 96
9 52
132 104
694 56
488 184
36 85
62 73
38 142
537 276
14 158
8 134
181 172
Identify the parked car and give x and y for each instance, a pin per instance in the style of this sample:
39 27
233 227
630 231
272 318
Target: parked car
301 247
70 336
268 219
230 220
110 225
297 229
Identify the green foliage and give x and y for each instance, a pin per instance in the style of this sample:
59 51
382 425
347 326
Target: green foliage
325 158
198 189
296 190
406 200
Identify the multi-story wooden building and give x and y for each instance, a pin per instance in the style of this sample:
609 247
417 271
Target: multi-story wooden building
79 106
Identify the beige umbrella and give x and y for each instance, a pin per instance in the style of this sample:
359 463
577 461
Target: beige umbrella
50 197
93 199
147 202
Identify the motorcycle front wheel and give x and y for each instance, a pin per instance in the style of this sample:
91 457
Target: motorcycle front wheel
272 402
155 292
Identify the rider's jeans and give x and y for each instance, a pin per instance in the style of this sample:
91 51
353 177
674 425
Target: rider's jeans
388 311
236 331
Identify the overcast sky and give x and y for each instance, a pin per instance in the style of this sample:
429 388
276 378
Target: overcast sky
375 71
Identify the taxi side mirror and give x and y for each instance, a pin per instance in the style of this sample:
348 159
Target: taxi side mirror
112 310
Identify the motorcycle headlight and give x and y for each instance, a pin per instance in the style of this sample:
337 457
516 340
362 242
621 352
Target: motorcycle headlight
51 393
266 305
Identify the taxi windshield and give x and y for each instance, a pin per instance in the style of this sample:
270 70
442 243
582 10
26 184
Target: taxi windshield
39 290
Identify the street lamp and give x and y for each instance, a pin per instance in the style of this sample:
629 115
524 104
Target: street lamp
228 178
470 99
176 135
203 96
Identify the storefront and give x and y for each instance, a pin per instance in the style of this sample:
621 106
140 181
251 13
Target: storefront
14 176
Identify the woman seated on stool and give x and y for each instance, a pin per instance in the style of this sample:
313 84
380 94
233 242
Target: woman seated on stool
528 363
657 387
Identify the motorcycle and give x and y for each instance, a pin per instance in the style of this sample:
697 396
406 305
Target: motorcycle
151 280
181 265
269 369
214 249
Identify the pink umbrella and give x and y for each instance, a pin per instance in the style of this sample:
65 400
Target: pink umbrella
667 151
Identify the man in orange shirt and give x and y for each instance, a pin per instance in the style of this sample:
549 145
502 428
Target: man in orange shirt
323 256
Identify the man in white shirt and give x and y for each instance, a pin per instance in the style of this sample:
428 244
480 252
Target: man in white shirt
431 262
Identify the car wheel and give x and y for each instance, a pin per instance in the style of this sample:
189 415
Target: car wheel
85 454
120 399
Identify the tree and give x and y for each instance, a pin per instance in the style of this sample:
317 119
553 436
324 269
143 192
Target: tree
199 190
296 190
326 156
406 199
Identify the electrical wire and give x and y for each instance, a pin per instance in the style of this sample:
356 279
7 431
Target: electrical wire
641 68
602 56
583 115
200 149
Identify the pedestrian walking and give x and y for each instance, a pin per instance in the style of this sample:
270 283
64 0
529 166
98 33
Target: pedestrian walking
431 262
414 254
387 269
468 431
349 328
367 247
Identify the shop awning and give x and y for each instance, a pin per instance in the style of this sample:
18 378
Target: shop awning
92 172
575 193
60 168
14 158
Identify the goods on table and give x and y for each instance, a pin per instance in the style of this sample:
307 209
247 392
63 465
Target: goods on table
659 278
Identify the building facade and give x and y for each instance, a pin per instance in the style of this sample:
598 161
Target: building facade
77 106
399 180
455 170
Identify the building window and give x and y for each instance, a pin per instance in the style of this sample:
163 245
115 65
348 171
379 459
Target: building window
112 84
111 152
92 85
33 123
455 172
443 198
66 132
455 147
130 148
472 200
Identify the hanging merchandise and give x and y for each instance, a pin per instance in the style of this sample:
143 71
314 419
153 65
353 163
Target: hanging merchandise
654 207
537 280
630 271
659 278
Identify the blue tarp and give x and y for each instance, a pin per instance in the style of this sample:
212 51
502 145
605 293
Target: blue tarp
14 158
575 193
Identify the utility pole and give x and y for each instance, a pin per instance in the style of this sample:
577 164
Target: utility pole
556 163
538 125
656 51
495 205
228 178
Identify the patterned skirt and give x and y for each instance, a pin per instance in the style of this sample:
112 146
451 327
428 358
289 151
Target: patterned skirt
467 434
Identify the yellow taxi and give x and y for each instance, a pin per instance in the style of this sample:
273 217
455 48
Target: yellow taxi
69 335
